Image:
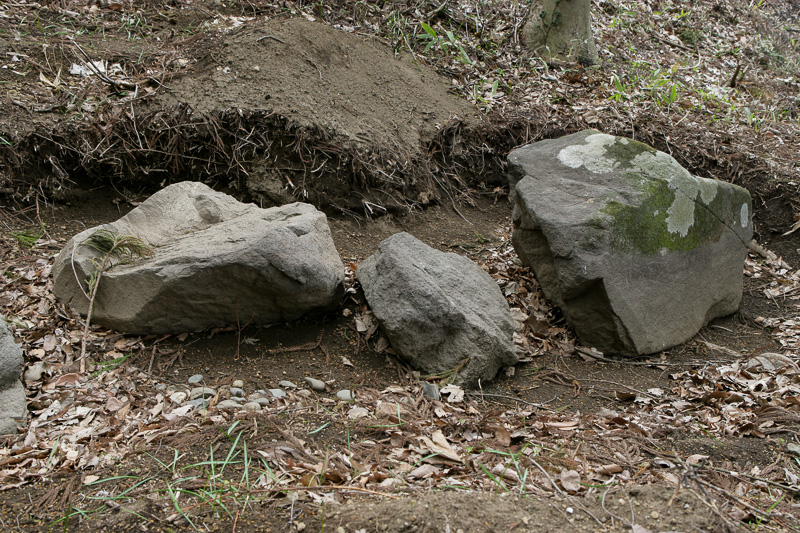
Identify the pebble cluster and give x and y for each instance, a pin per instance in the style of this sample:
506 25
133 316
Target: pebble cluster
197 395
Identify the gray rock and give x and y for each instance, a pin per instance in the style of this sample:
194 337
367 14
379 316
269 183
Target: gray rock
252 406
12 393
304 392
346 395
277 393
236 391
263 402
199 402
638 253
194 380
316 384
440 311
215 259
431 390
202 392
287 384
238 383
229 405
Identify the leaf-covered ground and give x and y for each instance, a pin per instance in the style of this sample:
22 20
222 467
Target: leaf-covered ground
703 436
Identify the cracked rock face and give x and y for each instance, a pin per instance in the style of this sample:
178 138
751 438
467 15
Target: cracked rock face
216 262
638 253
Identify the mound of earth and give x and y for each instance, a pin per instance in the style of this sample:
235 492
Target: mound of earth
317 75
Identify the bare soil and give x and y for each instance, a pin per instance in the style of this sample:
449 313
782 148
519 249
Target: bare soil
259 100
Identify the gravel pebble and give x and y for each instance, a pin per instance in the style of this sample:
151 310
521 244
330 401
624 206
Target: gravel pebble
252 406
316 384
431 390
277 393
357 412
263 402
237 391
304 392
287 384
198 402
228 404
197 378
238 383
204 392
346 395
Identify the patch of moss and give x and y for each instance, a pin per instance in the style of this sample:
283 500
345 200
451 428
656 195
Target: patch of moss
643 228
625 150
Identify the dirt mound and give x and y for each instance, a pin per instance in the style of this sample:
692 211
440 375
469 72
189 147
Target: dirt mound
320 76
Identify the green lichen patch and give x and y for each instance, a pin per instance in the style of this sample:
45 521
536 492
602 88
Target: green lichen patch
644 228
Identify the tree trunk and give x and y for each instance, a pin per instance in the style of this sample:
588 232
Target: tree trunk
561 29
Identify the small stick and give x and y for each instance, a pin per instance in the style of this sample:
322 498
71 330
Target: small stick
270 37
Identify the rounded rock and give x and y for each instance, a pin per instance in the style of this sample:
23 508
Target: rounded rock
237 391
316 384
197 378
286 384
277 393
228 405
238 383
202 392
252 406
346 395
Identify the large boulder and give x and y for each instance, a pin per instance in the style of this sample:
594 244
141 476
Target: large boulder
441 312
638 253
217 261
12 393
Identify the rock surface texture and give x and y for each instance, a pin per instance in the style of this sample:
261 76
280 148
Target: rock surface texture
441 311
638 253
217 261
12 393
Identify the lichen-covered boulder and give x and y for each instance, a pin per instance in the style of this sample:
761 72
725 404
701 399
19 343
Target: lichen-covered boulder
12 393
216 261
638 253
441 312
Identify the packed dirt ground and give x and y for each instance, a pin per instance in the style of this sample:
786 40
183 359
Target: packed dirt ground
403 131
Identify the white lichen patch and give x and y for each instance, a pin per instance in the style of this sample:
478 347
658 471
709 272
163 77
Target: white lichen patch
591 155
661 166
744 216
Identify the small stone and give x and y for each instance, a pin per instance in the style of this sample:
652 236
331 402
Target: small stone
431 390
177 397
238 383
316 384
238 399
263 402
228 405
255 396
300 526
197 378
252 406
161 387
203 392
346 395
237 391
357 412
304 392
199 402
654 514
277 393
287 384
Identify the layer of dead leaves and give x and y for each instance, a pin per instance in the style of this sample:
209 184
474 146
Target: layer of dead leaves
81 423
